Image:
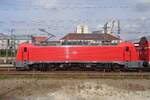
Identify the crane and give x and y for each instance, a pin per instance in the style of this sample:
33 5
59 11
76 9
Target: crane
112 27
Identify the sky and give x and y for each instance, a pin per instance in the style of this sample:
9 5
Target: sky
62 16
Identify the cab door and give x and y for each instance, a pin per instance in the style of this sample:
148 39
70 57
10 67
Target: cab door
25 57
127 54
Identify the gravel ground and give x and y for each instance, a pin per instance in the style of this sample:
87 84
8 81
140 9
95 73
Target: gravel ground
74 89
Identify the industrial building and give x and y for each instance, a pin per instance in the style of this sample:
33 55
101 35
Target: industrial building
83 36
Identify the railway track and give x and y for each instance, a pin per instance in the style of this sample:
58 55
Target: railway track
7 68
11 72
78 74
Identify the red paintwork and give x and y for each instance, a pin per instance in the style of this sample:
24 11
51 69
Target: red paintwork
77 53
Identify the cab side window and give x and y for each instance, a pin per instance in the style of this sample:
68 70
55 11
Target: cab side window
127 49
25 49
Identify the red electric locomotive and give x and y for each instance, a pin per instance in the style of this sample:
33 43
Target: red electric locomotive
123 55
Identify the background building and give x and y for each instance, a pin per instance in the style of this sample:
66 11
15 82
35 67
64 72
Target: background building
82 29
83 36
90 39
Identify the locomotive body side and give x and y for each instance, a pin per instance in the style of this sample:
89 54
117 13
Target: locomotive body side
123 54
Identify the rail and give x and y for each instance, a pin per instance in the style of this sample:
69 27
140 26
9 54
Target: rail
76 74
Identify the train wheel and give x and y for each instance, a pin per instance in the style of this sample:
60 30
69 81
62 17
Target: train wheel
33 67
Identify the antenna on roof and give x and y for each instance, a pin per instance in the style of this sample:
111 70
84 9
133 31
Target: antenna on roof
50 34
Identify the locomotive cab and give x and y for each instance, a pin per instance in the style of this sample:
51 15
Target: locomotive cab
22 56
